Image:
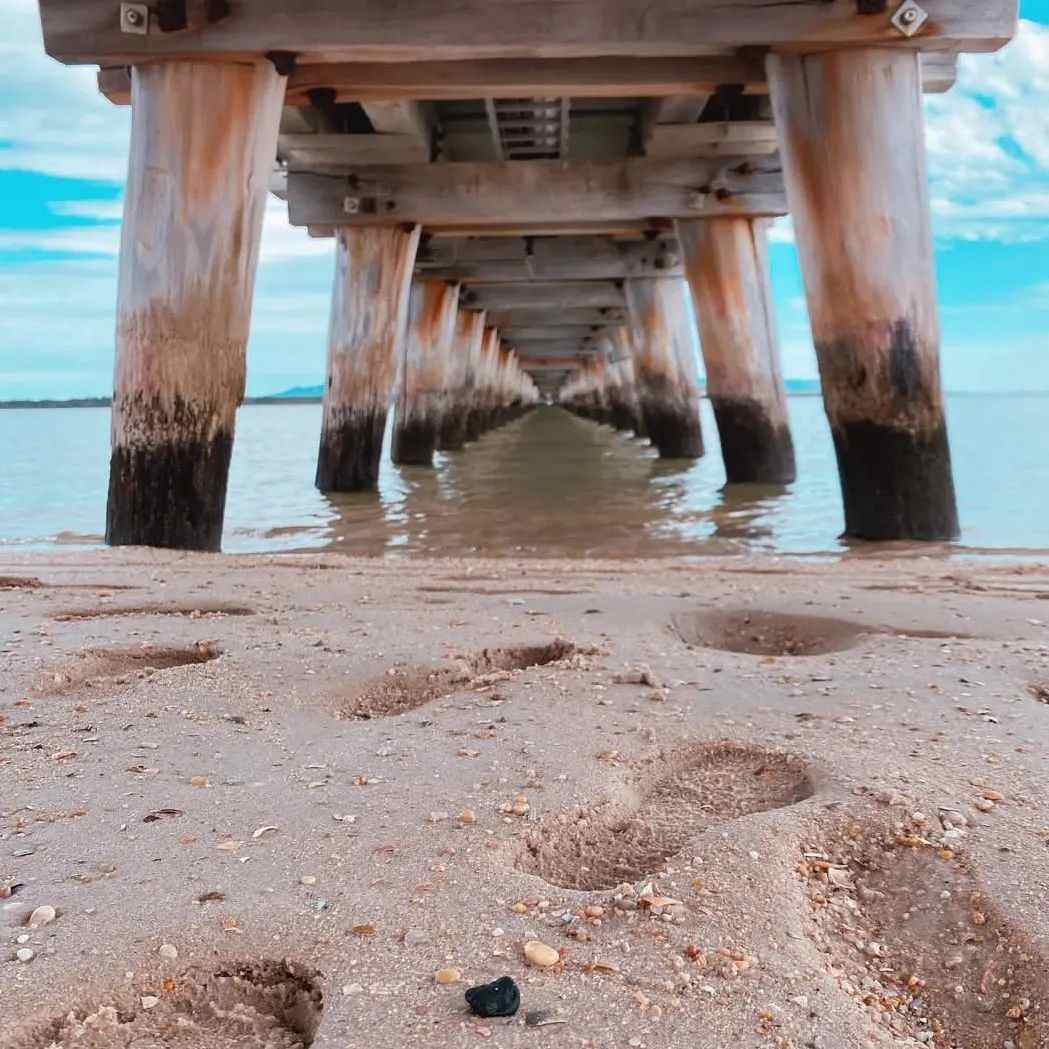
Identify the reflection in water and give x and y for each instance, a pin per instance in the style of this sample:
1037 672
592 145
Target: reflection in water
548 484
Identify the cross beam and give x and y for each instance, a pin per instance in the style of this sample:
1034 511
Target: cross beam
568 258
695 76
460 195
543 295
369 30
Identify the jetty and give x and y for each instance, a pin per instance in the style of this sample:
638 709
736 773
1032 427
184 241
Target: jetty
530 199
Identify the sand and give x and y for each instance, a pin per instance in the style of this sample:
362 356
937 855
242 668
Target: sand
747 803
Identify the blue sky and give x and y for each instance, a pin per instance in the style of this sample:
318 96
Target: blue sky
63 154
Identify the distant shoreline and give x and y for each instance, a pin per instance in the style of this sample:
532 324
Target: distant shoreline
278 399
106 402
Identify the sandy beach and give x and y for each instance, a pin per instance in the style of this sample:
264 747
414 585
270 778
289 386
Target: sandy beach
264 800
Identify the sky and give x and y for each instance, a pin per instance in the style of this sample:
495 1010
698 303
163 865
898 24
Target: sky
63 157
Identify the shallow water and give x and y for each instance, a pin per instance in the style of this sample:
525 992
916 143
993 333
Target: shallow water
548 484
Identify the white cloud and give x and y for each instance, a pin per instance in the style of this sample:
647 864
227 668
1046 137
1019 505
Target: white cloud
53 114
988 144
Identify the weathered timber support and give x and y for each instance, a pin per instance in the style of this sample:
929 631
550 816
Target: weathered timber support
666 365
432 312
623 345
458 391
202 141
373 272
854 157
479 417
726 261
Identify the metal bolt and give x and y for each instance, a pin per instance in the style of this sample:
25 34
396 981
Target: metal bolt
909 18
134 18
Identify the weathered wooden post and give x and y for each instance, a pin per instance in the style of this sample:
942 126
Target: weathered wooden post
623 343
852 138
665 364
466 350
203 137
432 312
726 261
477 418
373 273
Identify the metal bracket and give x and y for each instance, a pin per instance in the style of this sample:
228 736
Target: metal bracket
134 19
909 18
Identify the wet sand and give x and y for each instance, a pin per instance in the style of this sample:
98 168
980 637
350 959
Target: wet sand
755 803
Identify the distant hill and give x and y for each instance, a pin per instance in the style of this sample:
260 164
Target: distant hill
310 392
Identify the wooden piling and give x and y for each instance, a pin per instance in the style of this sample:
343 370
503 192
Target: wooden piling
666 364
853 150
623 345
466 350
726 262
432 312
373 272
203 137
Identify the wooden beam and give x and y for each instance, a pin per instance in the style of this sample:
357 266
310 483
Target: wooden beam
536 191
682 85
319 151
555 332
565 258
636 229
544 295
370 30
522 316
738 138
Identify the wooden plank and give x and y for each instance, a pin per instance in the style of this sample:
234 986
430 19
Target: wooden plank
538 333
89 30
114 82
682 85
544 295
740 138
537 191
578 258
399 117
319 151
525 317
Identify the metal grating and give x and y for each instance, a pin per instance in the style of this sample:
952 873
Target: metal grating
529 128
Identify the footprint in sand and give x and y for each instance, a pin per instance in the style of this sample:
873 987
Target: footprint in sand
908 925
200 611
698 787
265 1004
408 688
101 665
759 633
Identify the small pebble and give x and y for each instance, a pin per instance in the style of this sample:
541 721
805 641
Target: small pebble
25 954
499 998
447 976
540 954
149 1001
42 916
168 951
467 816
308 879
